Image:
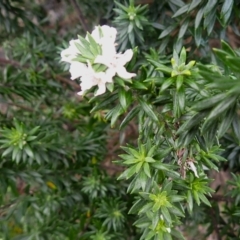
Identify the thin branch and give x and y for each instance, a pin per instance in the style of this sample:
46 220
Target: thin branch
4 61
29 109
80 15
69 82
219 198
60 78
215 224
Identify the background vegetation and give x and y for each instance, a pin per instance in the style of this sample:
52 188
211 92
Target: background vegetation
57 179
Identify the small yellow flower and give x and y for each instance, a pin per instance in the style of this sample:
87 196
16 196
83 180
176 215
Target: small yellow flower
51 185
17 230
94 160
88 214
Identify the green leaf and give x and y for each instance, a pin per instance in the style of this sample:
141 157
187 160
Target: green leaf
236 126
121 6
183 29
167 31
226 121
131 151
196 197
145 208
114 114
125 98
93 45
210 6
226 10
139 85
179 102
155 220
222 107
152 151
209 21
85 52
183 56
176 198
204 199
7 151
178 45
191 83
34 130
209 102
142 179
129 117
193 121
190 201
179 82
177 234
128 173
227 48
198 36
167 84
147 169
109 100
178 3
136 206
166 214
181 10
198 18
148 110
160 67
221 54
194 4
209 164
28 151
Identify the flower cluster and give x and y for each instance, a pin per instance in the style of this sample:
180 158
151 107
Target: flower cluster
95 60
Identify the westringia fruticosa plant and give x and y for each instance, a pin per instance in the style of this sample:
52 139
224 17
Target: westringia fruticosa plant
153 94
182 110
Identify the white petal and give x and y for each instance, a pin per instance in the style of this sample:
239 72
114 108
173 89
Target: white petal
87 82
71 52
109 32
168 229
104 33
96 34
102 60
122 59
73 45
101 89
193 168
110 73
67 55
77 70
122 72
108 49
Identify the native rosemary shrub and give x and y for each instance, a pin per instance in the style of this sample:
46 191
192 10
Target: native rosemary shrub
150 66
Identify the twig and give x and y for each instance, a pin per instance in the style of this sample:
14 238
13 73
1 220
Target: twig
80 15
220 198
69 82
29 109
4 62
215 224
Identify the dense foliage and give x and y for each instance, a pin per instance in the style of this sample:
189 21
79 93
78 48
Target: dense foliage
171 129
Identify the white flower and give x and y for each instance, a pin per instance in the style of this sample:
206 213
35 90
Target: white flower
115 64
168 230
193 168
105 37
104 34
77 69
71 52
92 78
